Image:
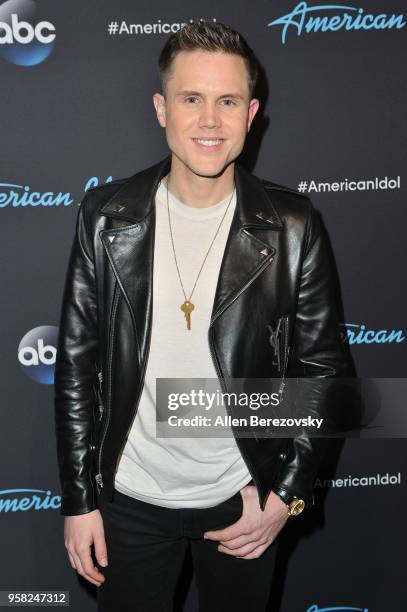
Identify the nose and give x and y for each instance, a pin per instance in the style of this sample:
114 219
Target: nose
209 117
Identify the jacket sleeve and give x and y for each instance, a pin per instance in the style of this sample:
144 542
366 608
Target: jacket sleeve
317 359
75 372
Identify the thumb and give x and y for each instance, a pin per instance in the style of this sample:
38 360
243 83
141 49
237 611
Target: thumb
101 550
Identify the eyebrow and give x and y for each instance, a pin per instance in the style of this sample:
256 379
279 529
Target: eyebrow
186 92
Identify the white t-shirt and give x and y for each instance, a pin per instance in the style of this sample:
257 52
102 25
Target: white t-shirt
181 472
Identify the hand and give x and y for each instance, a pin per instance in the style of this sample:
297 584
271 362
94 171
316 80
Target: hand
79 533
249 537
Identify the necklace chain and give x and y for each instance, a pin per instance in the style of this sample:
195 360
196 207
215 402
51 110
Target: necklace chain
187 307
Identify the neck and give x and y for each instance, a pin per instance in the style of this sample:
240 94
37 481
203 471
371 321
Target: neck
199 191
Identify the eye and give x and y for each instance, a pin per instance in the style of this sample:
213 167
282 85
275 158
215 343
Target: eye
189 98
232 102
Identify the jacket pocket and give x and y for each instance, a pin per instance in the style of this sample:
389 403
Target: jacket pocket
278 339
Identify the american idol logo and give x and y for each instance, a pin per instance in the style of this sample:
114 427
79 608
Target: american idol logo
359 334
14 195
37 352
315 608
25 39
305 19
21 500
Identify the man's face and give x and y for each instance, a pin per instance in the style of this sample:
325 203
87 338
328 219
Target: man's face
206 111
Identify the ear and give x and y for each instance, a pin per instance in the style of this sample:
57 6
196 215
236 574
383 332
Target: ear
159 105
253 108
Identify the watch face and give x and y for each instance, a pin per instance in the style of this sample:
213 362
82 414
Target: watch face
297 506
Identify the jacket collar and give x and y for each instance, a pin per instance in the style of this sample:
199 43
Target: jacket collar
134 201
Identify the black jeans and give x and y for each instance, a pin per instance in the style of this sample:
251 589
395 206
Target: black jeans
146 547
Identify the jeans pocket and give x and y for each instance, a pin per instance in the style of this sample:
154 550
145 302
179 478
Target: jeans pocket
228 512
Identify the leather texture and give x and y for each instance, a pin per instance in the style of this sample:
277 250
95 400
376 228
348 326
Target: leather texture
274 315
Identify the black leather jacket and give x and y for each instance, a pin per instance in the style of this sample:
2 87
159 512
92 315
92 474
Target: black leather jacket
275 272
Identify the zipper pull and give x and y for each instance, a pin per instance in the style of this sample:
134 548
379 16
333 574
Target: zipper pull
100 377
99 481
281 390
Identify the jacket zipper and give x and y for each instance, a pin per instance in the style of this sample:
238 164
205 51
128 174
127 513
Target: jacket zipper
98 477
282 360
100 377
285 357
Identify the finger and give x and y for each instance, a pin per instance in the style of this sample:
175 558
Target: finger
82 572
255 554
228 533
240 541
81 569
100 550
78 564
242 551
72 562
91 571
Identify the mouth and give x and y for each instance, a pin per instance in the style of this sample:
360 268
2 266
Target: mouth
209 144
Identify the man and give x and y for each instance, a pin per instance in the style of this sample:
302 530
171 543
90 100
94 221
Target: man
190 268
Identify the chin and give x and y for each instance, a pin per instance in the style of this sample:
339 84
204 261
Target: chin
208 169
203 166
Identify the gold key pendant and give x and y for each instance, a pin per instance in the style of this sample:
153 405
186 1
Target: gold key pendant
187 307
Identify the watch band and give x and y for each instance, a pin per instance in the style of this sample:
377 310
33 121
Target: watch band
294 504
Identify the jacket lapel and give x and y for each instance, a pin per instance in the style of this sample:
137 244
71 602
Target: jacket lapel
130 247
248 249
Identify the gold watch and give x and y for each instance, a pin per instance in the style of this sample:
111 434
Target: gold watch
294 505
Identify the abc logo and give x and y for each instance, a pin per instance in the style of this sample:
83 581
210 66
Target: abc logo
37 352
24 33
25 40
